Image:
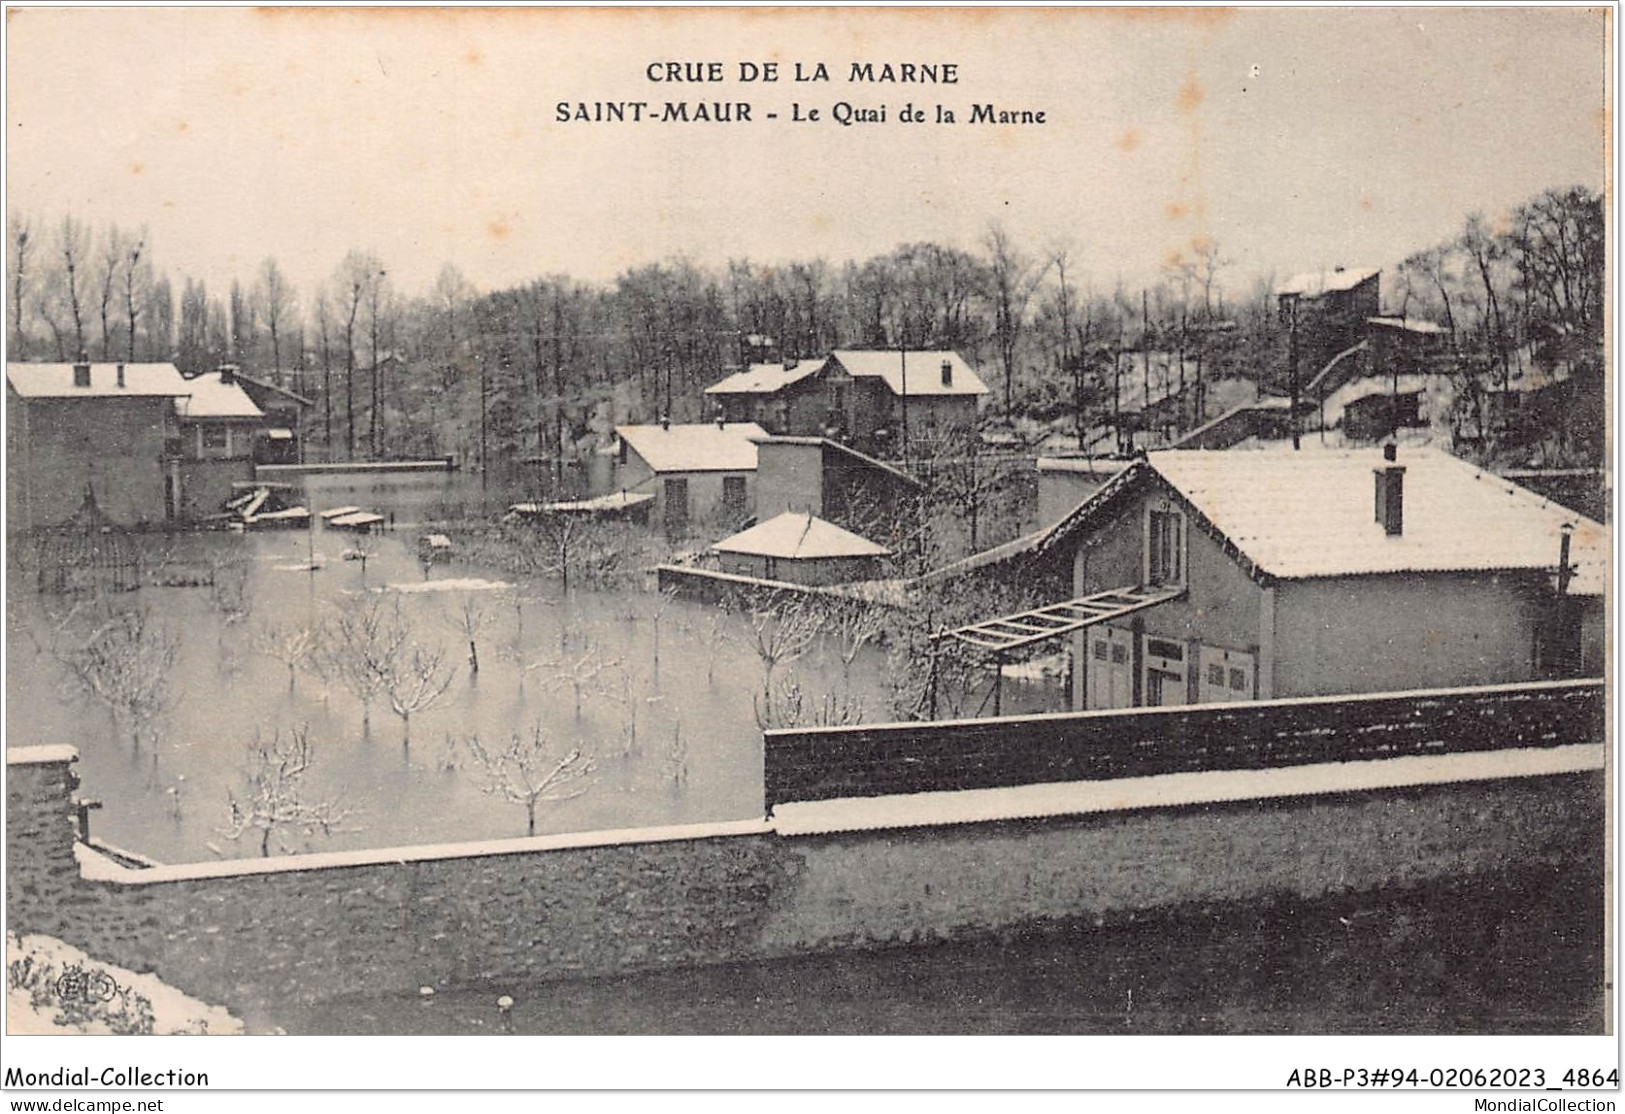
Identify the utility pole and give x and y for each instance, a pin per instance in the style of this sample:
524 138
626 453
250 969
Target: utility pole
902 355
666 348
483 468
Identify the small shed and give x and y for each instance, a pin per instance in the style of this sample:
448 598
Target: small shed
802 549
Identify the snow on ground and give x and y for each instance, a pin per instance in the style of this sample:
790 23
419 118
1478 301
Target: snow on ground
1054 665
463 584
35 965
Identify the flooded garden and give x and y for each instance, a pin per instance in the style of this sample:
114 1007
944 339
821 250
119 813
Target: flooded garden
304 690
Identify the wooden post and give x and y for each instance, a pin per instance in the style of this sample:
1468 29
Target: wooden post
931 699
998 684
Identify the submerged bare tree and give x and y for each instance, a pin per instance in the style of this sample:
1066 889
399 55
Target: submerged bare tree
361 649
778 637
415 681
579 671
127 663
273 803
528 771
473 620
290 644
793 706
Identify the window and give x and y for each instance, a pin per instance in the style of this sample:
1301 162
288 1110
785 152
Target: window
1165 547
214 437
733 497
1227 675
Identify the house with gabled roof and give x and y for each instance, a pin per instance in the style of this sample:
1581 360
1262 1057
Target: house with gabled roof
860 397
148 444
1222 576
875 394
106 429
697 473
780 397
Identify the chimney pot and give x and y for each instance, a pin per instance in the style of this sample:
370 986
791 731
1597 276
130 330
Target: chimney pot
1390 501
1390 452
665 421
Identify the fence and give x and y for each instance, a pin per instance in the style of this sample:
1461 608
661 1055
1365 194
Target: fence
815 764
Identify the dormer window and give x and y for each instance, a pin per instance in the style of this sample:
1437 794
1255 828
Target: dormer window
1164 546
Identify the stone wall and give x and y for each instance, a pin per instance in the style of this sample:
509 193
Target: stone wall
258 934
822 763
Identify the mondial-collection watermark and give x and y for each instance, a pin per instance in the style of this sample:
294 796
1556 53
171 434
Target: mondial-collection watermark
1544 1106
130 1076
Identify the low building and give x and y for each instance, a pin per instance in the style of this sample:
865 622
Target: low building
219 428
801 549
280 440
1205 576
697 473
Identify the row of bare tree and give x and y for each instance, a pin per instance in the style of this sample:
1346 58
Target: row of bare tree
517 374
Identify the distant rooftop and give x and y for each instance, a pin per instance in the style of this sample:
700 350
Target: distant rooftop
765 379
56 381
923 371
209 396
711 447
799 537
1310 284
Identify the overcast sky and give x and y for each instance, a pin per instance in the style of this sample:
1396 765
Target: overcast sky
1293 138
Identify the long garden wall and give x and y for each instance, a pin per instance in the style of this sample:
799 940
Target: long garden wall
256 934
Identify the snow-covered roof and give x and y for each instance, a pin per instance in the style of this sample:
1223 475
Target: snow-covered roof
1301 515
799 537
708 447
1310 284
922 369
208 396
602 504
765 379
56 381
1409 325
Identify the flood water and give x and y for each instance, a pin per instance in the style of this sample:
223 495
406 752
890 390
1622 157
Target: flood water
1519 952
660 693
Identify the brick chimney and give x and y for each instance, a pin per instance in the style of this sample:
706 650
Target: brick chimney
947 373
1390 501
121 376
228 374
81 371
